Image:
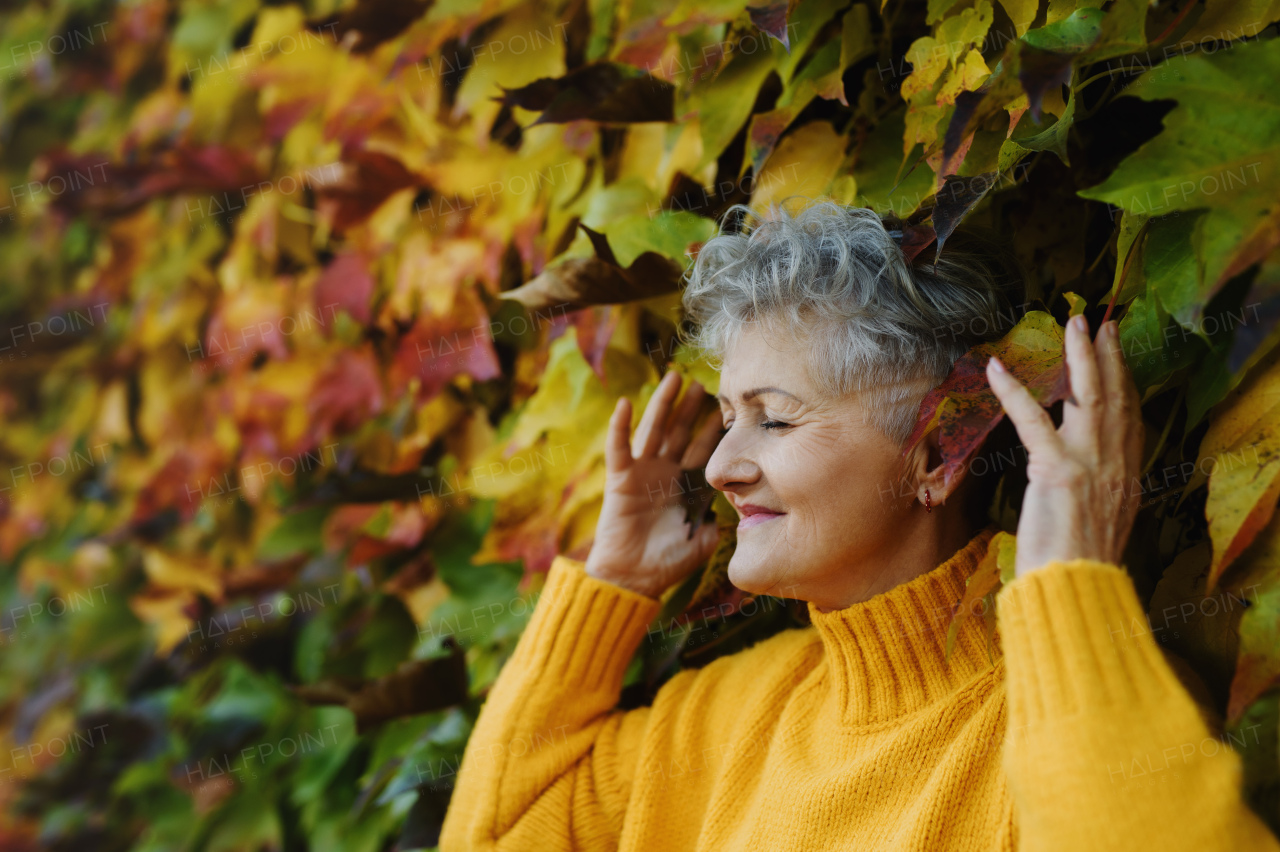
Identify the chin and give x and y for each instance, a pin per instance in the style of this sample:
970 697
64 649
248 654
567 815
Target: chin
753 575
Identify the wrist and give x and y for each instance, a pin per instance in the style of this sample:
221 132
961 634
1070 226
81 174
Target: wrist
618 576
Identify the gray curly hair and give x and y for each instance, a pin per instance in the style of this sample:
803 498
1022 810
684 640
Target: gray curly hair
837 281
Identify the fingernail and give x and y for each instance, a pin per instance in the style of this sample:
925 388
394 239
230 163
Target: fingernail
1080 323
996 366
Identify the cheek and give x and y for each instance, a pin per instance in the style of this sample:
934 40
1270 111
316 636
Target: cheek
834 478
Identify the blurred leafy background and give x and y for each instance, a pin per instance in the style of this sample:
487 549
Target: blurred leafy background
313 314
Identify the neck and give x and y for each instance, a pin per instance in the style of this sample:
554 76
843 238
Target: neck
915 543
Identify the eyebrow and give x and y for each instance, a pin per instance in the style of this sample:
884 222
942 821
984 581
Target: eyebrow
754 392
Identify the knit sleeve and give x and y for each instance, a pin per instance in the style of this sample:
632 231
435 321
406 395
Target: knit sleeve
1105 749
549 763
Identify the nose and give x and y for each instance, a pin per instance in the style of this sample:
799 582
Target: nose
730 467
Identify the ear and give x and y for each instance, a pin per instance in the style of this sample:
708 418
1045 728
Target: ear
924 467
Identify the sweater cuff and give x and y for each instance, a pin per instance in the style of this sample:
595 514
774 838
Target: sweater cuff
585 631
1076 639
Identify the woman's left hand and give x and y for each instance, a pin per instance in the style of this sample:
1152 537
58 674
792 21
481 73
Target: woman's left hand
1082 492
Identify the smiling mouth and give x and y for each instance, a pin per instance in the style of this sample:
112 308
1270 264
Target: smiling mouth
757 518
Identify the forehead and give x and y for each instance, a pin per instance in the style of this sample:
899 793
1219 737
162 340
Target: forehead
756 359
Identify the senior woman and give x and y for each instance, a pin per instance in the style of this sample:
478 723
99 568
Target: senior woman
857 732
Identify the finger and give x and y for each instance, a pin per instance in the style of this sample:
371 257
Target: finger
1124 408
617 442
705 443
1119 366
681 425
1082 422
649 433
1034 426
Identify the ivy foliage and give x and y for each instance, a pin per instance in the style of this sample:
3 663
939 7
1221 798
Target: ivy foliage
313 314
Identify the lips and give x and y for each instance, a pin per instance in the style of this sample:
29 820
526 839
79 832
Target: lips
755 515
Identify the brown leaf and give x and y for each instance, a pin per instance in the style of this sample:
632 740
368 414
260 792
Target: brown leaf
772 19
375 21
604 91
582 281
955 199
1039 70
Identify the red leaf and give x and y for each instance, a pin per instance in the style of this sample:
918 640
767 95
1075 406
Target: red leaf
368 179
345 395
595 327
438 349
1032 351
772 19
96 184
346 284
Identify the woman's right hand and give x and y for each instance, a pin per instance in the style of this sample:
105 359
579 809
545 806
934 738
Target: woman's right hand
642 540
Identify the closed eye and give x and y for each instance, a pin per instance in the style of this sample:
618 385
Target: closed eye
774 424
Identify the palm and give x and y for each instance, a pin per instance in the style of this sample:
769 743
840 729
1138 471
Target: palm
642 540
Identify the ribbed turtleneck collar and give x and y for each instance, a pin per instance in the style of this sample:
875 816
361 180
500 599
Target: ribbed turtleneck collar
887 655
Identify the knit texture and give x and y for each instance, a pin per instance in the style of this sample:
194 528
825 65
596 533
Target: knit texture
856 732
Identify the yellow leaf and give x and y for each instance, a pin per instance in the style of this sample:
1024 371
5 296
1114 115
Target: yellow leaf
164 612
928 60
1059 9
183 573
113 414
422 600
966 76
526 46
1243 494
804 163
1241 413
1022 13
1241 453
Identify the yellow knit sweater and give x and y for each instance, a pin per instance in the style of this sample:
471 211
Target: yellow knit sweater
855 733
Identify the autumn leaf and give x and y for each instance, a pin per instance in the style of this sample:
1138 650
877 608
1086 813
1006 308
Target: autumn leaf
344 246
964 409
365 180
347 285
1047 55
605 91
995 569
1257 666
347 393
578 282
1241 452
771 18
120 188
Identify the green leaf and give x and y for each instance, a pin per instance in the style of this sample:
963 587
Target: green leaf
297 533
1220 149
1053 138
1073 34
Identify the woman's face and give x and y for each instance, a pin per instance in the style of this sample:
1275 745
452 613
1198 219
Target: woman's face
819 488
